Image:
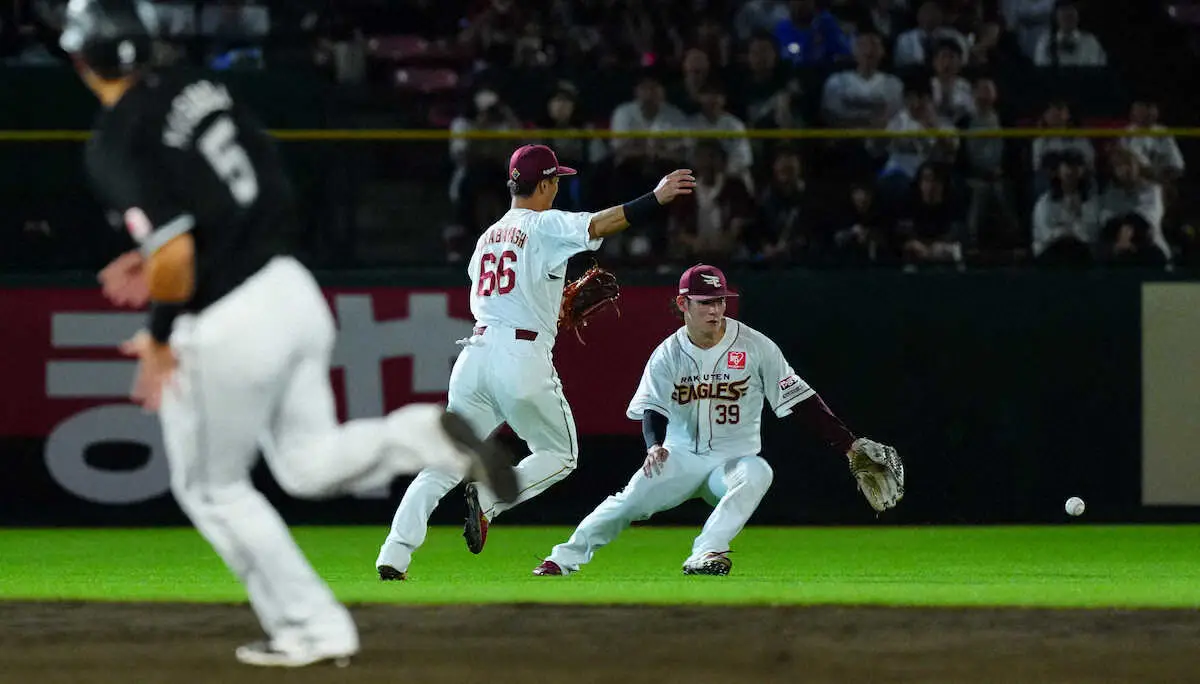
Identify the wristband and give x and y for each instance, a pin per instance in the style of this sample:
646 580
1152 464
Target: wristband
641 209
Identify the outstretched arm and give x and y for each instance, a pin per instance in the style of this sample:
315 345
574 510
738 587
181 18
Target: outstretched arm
616 219
819 418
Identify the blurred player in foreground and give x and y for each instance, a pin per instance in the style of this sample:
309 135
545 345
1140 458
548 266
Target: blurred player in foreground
700 402
239 336
505 373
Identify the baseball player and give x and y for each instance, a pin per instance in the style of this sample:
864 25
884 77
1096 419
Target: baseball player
237 347
700 402
505 373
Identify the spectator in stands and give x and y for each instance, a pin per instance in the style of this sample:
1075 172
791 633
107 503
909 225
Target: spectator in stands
863 97
953 98
639 163
478 163
713 117
930 226
991 195
906 155
711 223
756 16
985 44
887 18
492 33
1030 20
810 35
697 70
709 36
760 82
1160 156
1068 46
1066 218
915 47
785 226
1047 151
563 113
1132 194
859 230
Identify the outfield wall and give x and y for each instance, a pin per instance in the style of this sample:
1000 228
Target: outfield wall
1005 392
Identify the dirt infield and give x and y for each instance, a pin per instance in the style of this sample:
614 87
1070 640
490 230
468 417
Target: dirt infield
48 643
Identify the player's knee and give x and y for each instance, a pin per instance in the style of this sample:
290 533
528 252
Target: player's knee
198 498
757 473
301 483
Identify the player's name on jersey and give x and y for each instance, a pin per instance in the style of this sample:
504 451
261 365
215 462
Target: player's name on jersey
728 391
512 235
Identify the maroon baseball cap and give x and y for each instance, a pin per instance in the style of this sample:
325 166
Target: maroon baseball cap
533 163
704 282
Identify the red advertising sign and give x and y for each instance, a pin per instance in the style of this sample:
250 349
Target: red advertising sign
395 346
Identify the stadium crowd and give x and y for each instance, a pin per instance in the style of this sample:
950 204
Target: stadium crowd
737 65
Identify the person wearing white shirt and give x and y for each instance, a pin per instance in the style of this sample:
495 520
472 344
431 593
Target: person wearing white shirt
1066 220
1046 151
1029 19
1130 192
863 97
713 117
648 111
1069 46
953 97
915 47
907 154
1159 155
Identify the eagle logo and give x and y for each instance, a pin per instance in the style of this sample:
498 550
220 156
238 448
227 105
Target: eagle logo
710 280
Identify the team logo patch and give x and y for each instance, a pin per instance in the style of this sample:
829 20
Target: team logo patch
788 382
138 224
711 280
736 360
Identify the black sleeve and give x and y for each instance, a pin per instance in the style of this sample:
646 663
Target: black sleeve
654 427
162 319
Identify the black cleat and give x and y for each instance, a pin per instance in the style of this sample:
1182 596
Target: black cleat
493 464
389 574
476 528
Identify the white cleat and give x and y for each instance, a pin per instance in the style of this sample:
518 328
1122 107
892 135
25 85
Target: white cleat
263 654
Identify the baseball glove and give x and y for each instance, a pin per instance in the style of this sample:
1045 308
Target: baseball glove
879 473
586 296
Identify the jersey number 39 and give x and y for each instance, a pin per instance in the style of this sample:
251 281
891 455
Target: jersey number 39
496 275
220 147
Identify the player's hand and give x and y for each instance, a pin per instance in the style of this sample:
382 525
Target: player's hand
124 280
156 365
656 460
674 184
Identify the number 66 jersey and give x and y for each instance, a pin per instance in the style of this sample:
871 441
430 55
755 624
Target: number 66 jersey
519 264
713 398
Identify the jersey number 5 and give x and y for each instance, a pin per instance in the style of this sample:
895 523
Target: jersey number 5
728 413
220 147
495 274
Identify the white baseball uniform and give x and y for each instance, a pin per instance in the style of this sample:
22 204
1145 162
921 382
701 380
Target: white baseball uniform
502 375
713 400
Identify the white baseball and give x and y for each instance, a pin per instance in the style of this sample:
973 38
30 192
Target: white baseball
1074 506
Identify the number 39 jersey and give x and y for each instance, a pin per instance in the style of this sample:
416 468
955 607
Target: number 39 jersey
517 271
713 398
176 155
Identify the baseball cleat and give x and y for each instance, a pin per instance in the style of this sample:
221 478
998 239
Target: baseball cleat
263 654
492 462
711 563
476 527
548 569
389 574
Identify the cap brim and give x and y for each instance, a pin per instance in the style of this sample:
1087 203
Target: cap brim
565 171
711 295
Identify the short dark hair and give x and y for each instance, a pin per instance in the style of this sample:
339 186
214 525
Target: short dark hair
948 45
675 308
522 188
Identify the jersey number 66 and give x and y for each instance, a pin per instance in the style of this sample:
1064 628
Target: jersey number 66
495 274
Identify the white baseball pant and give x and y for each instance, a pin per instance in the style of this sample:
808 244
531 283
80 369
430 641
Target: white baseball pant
254 370
498 378
733 486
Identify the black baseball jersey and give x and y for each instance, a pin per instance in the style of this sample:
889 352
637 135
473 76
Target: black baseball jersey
177 154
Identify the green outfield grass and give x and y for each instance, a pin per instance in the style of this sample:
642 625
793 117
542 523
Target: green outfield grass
1076 565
